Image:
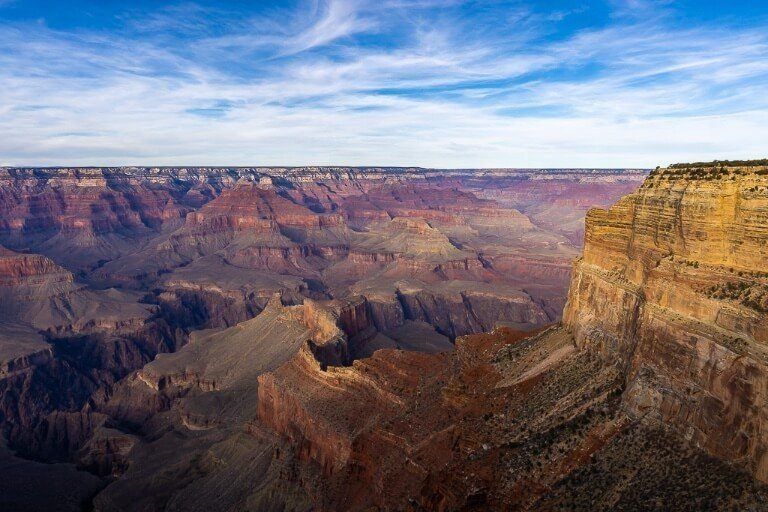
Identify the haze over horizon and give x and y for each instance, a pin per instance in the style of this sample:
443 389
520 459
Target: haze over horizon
440 84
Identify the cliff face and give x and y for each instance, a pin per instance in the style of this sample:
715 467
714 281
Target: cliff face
82 216
211 389
61 344
505 421
673 285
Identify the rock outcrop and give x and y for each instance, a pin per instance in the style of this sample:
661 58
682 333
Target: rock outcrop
207 396
673 286
329 226
63 344
505 422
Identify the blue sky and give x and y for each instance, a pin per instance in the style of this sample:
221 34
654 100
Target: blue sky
382 82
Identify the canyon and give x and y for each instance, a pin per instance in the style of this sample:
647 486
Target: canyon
384 338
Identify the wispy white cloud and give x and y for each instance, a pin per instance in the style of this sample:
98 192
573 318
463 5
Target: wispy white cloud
389 83
337 19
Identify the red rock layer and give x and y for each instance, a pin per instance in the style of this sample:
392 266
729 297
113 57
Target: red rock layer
17 269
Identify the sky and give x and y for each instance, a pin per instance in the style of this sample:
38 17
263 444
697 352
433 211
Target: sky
432 83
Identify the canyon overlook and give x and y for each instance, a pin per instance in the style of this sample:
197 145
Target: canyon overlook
384 338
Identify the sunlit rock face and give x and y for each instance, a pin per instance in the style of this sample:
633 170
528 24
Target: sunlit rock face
673 284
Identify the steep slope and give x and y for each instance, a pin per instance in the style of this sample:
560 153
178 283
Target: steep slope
246 225
81 216
660 366
191 416
60 344
504 422
435 263
163 229
36 291
673 285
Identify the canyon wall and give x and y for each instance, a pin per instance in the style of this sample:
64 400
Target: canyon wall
673 287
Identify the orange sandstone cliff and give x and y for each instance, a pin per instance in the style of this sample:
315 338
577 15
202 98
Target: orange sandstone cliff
673 286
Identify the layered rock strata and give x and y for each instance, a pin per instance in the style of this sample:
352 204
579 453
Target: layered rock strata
673 285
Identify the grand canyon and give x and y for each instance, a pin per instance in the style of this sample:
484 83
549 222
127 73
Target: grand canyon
383 256
384 338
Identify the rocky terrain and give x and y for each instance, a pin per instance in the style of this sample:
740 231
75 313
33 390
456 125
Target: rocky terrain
384 339
672 286
649 396
504 422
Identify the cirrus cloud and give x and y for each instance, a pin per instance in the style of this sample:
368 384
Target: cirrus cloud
437 84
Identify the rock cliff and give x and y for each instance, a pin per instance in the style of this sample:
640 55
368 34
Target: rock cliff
673 286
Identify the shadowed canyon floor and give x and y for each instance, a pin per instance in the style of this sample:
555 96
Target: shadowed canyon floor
384 339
